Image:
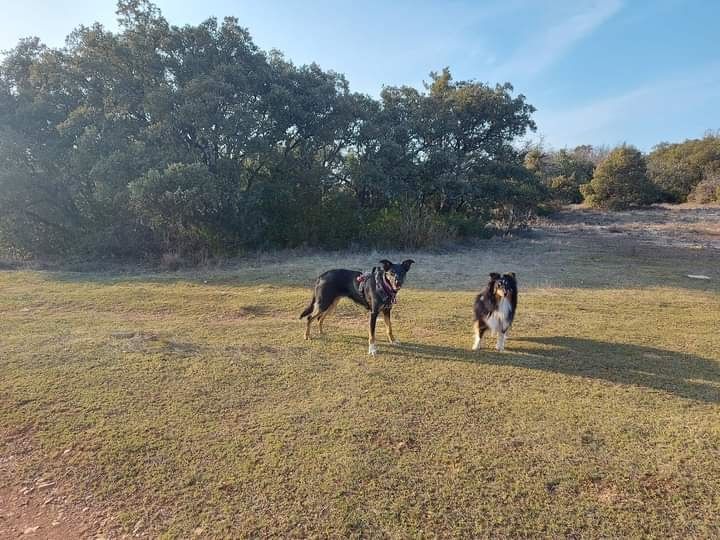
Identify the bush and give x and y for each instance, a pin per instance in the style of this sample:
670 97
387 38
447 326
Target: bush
565 190
678 168
341 221
180 203
620 181
408 227
518 202
172 261
467 225
563 172
707 190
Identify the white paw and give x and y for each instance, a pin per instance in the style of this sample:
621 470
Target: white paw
396 342
476 345
372 350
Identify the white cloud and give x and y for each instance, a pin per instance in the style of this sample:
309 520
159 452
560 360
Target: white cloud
640 115
543 49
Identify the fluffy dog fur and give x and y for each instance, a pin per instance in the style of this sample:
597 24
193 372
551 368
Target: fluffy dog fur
495 308
374 291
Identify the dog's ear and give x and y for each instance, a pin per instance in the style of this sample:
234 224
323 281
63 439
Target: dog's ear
510 274
407 263
386 264
494 275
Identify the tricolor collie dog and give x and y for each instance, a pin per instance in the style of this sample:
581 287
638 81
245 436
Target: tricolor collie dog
376 291
495 308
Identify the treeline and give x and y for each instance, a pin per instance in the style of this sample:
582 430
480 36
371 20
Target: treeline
158 138
624 177
191 140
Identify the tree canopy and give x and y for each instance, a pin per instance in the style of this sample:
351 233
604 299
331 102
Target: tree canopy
678 168
564 171
164 138
620 181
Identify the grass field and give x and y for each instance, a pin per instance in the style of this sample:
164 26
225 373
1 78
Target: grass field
188 404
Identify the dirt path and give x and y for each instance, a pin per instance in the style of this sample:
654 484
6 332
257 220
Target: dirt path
682 225
39 507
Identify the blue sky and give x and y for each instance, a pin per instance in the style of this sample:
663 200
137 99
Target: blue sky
598 71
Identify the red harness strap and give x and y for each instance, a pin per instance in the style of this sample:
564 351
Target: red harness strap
381 285
391 294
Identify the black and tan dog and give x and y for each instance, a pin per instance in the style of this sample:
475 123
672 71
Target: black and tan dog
376 291
495 308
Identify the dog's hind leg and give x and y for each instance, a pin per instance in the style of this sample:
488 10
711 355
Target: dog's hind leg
310 318
372 349
321 318
328 311
479 331
388 327
307 327
322 308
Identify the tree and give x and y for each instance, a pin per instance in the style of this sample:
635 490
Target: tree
708 189
620 181
160 138
677 168
563 171
439 150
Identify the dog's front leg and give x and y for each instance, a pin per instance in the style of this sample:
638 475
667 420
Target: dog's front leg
388 326
372 349
478 336
500 341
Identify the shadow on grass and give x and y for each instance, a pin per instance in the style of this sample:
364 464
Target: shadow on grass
684 375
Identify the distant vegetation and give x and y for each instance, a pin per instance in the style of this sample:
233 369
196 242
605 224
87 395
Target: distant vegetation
159 139
623 177
165 139
687 171
620 181
563 172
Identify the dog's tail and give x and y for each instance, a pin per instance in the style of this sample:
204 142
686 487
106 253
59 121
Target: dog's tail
308 310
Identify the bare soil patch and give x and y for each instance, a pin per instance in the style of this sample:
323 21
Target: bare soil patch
683 225
40 507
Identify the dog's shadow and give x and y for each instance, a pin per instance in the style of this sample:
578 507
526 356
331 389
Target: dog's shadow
684 375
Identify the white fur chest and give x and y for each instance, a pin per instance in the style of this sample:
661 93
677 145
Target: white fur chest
499 320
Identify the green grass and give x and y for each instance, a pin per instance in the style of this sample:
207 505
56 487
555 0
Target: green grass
192 404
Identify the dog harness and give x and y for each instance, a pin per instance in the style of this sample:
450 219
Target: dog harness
382 287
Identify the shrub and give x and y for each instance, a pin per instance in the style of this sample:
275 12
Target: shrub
707 190
408 227
172 261
677 168
466 225
341 221
563 172
620 181
180 203
565 190
518 203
